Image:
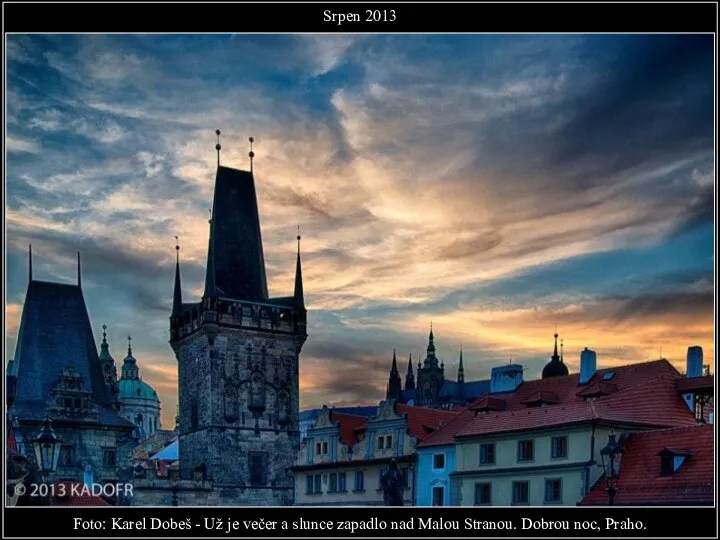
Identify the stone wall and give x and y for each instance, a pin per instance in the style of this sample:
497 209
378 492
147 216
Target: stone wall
239 407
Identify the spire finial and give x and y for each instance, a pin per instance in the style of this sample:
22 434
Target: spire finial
298 238
561 350
218 147
177 249
79 274
129 345
104 327
555 349
30 261
251 153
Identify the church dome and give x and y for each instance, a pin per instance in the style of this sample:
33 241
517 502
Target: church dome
556 367
137 389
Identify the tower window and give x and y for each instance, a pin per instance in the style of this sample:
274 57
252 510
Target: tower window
109 457
257 469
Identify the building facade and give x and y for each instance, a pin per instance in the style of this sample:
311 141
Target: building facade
238 351
57 374
345 456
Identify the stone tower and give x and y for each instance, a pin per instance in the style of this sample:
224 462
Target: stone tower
237 351
430 377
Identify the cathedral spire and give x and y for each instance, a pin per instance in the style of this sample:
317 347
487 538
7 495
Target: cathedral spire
299 295
431 342
461 368
410 376
394 386
555 349
177 293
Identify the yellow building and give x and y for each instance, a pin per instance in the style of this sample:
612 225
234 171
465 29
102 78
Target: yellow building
540 445
344 456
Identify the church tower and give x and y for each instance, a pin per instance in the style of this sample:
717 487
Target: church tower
238 351
430 377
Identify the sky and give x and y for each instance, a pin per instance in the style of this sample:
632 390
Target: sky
498 186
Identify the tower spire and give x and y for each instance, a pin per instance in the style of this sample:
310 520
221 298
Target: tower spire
177 292
79 273
410 376
218 147
251 153
30 261
461 368
555 349
129 345
562 359
394 386
299 293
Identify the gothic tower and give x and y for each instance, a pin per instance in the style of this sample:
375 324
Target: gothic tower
430 377
237 351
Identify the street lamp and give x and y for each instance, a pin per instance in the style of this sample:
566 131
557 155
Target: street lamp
47 450
608 454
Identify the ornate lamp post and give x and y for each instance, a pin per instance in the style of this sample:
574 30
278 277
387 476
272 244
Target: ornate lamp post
608 454
47 451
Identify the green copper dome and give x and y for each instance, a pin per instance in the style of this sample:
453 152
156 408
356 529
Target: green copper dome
136 389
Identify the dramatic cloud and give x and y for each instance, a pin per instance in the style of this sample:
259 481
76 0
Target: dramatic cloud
496 185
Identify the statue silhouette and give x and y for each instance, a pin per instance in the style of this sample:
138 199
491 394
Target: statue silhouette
393 485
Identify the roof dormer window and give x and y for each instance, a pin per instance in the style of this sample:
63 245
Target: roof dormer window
671 459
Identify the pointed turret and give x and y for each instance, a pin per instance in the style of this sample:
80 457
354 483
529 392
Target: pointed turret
299 294
177 292
410 376
461 369
394 387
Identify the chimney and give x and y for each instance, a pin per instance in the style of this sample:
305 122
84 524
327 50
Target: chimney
506 378
588 365
694 362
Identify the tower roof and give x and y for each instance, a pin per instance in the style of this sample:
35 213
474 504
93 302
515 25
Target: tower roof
236 265
54 330
556 367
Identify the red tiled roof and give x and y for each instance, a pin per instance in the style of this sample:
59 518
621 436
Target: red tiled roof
542 396
639 480
696 384
349 425
10 440
446 435
599 388
77 498
423 421
489 403
645 395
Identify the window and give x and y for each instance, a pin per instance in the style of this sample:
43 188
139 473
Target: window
257 469
359 481
438 496
439 461
487 454
559 447
324 447
309 484
318 448
321 448
333 483
525 451
109 457
384 442
482 493
381 472
521 491
342 481
553 490
318 484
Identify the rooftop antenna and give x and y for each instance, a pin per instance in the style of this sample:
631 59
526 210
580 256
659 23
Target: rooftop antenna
251 153
218 147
